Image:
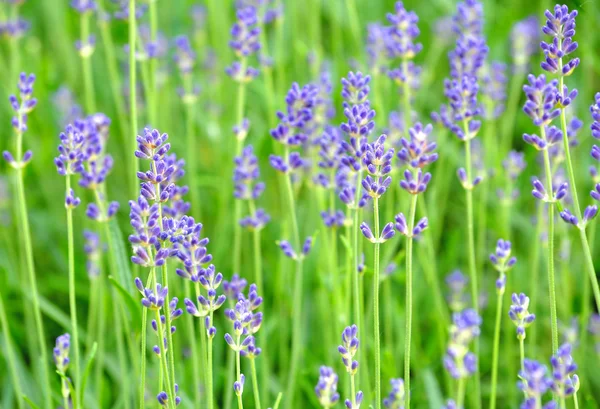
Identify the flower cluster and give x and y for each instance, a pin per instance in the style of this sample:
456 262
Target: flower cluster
560 26
459 361
293 128
494 89
565 381
524 40
93 251
458 298
502 262
466 61
534 382
289 251
326 389
210 282
519 314
246 323
400 43
395 399
21 105
61 360
348 350
247 187
513 166
244 42
82 152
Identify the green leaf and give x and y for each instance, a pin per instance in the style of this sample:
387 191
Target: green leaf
88 368
30 402
119 254
434 395
132 304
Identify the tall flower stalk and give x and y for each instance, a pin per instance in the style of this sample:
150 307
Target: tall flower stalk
132 34
348 350
244 42
377 161
502 262
459 361
68 163
416 153
520 316
359 125
292 131
22 106
460 117
85 46
560 26
540 108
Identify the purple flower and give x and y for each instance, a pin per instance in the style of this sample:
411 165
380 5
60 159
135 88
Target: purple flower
61 353
185 57
377 38
458 361
519 313
402 33
524 41
494 83
93 251
418 150
514 164
326 389
541 99
244 42
246 174
355 88
257 221
560 25
565 381
395 399
349 348
84 6
402 226
234 287
534 379
415 183
71 201
153 299
458 297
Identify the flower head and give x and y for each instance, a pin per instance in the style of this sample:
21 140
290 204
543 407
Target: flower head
349 348
519 313
560 26
326 389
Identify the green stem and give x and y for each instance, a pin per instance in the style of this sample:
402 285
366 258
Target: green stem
575 400
203 336
88 81
496 349
534 268
237 236
258 276
193 345
590 268
255 384
355 274
132 87
10 355
376 307
163 356
460 393
551 278
522 352
297 295
209 368
28 247
151 281
72 299
409 299
153 65
238 372
471 252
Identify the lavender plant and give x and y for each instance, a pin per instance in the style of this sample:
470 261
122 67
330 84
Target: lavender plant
22 106
520 316
502 261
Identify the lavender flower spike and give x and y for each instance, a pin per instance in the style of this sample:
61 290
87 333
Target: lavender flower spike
395 399
520 315
326 389
565 381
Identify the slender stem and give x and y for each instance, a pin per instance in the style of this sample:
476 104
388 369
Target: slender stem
352 391
163 354
355 274
575 400
471 252
409 299
237 235
496 349
209 368
72 299
376 307
590 268
10 355
153 64
551 279
534 268
28 247
460 393
203 336
563 403
88 83
151 277
194 347
255 384
238 372
522 352
258 276
297 295
132 86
